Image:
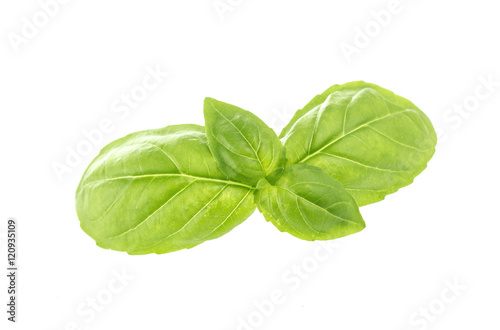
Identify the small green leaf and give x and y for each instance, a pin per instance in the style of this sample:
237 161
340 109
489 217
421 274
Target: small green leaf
309 204
159 191
245 148
368 138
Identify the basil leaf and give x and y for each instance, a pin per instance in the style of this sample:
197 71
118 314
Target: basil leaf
356 85
245 148
309 204
159 191
368 138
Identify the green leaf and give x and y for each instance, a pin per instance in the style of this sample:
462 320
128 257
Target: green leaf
318 99
368 138
159 191
309 204
245 148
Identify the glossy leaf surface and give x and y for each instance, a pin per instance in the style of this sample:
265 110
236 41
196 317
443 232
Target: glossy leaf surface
368 138
309 204
159 191
245 148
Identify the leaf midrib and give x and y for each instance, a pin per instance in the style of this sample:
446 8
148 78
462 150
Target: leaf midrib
171 175
224 221
317 206
344 135
244 137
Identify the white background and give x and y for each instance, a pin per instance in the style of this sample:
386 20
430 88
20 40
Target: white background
270 57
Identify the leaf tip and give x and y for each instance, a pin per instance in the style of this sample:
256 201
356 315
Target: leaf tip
210 102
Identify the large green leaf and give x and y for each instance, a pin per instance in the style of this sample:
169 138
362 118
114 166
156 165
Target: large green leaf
309 204
245 148
159 191
353 85
368 138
